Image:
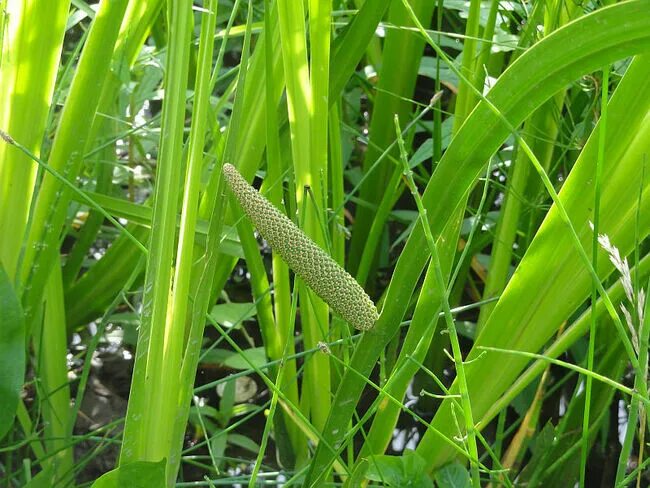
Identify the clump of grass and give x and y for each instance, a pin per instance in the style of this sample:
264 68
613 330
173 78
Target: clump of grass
318 270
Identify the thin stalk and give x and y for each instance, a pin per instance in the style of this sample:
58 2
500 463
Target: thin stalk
482 59
466 98
449 319
313 311
636 408
640 469
573 367
177 314
642 378
27 426
152 403
626 448
437 114
281 283
274 399
394 89
92 225
54 392
209 278
594 291
561 344
337 229
641 309
390 196
420 331
388 199
267 430
222 49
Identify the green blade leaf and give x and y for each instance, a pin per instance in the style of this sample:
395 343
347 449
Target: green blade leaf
12 352
139 474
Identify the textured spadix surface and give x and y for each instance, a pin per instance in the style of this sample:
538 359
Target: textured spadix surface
317 269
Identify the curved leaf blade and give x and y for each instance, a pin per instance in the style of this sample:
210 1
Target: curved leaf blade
580 47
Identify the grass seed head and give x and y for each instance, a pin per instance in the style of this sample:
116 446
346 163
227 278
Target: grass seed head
623 268
316 268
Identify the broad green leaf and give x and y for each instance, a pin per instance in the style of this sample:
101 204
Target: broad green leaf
358 475
243 442
41 480
349 47
231 359
139 474
423 153
231 314
12 352
408 470
218 444
428 69
453 475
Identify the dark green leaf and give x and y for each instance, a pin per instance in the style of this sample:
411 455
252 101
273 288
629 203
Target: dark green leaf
12 352
233 360
453 476
243 442
231 314
407 470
